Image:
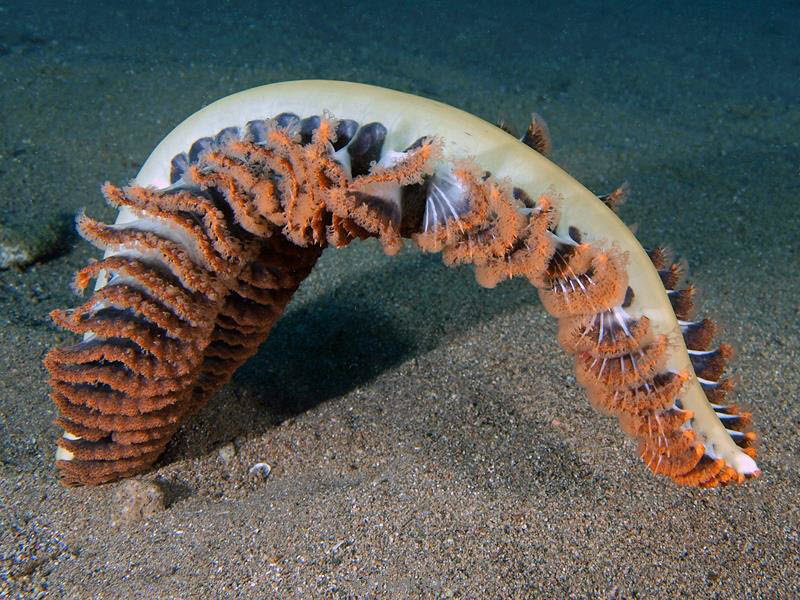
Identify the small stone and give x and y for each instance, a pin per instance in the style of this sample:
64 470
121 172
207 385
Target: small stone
33 241
227 453
135 500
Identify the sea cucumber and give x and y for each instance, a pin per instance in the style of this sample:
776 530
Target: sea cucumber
232 209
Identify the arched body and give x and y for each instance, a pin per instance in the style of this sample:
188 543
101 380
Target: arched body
232 208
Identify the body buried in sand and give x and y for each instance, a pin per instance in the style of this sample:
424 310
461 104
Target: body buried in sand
233 208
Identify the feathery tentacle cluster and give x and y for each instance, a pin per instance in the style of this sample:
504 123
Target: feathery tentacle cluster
198 272
197 279
617 357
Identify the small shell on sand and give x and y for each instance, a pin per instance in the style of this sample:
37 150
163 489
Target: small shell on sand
261 470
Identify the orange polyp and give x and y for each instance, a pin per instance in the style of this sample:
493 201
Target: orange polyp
122 297
532 260
497 238
628 370
149 343
529 254
750 451
580 334
137 437
679 455
202 245
479 204
672 276
268 199
195 311
491 241
729 475
662 392
168 252
537 136
708 472
655 423
408 170
601 289
748 441
225 180
204 210
110 422
78 472
83 450
509 223
326 132
570 261
368 216
373 217
114 402
90 434
492 272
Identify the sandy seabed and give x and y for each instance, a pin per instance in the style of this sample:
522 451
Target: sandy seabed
426 437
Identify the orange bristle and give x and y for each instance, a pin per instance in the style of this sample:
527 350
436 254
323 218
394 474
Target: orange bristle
741 421
698 336
617 197
537 136
658 256
712 365
747 440
671 277
683 302
717 392
506 126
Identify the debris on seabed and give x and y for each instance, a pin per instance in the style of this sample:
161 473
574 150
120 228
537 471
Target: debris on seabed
261 470
136 500
227 453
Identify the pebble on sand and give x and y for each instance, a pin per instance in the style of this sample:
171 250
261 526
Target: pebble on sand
135 500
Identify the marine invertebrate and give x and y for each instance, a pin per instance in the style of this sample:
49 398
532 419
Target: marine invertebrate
232 209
